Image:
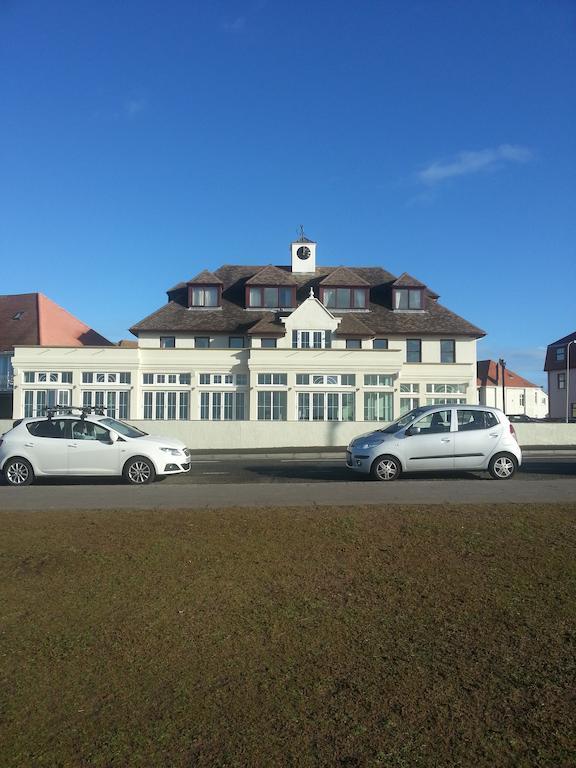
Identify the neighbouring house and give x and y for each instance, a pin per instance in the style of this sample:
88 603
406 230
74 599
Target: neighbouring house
32 319
497 384
274 355
560 366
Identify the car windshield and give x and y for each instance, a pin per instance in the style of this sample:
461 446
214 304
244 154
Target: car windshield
403 421
122 428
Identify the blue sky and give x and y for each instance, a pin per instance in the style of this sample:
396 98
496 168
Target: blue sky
143 141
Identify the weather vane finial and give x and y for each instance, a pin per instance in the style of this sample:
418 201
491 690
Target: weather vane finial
301 233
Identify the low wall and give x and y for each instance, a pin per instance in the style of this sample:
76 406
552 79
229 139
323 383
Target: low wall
221 435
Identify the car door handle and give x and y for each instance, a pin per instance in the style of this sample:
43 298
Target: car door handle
445 440
72 445
29 445
494 434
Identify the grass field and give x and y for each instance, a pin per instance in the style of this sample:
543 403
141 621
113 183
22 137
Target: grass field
376 636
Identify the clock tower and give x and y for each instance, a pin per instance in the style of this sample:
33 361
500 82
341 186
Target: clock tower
303 252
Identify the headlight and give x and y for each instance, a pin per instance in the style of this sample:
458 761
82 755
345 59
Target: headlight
371 442
171 451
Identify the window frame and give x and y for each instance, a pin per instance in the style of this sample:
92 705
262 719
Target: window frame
410 353
171 342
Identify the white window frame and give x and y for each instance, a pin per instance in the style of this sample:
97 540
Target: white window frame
322 406
222 406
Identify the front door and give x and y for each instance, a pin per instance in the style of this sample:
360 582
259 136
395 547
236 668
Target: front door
430 443
91 452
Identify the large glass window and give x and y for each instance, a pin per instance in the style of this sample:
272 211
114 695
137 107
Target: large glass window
204 296
408 298
37 402
345 298
270 296
311 340
378 406
222 406
272 406
170 405
325 406
408 404
378 380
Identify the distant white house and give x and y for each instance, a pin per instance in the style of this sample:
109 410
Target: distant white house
521 396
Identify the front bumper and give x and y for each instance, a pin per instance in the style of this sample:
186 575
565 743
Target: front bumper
359 461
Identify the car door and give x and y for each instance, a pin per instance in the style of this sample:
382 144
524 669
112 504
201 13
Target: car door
429 443
91 451
46 446
478 433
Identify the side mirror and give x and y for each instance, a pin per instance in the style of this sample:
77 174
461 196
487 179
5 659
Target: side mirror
113 438
412 431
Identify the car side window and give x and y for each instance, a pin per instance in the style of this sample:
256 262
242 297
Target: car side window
53 428
87 430
432 423
472 420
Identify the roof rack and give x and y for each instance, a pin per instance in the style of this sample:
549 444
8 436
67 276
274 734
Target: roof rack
98 410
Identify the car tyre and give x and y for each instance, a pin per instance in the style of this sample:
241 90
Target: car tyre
18 472
139 471
385 468
502 466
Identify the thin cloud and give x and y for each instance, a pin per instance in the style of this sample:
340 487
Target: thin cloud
468 162
134 107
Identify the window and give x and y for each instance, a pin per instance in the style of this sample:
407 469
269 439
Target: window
87 430
433 423
345 298
272 296
378 380
148 378
167 342
408 404
272 406
449 389
408 298
170 405
413 350
115 402
280 379
204 296
29 377
269 343
353 344
36 402
222 406
473 420
201 342
236 342
326 379
165 378
561 378
326 406
311 340
66 377
447 351
410 388
222 379
522 400
53 428
378 406
445 400
380 344
560 353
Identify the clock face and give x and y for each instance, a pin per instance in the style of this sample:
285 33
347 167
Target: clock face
303 252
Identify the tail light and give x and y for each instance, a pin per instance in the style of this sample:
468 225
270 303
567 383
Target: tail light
513 431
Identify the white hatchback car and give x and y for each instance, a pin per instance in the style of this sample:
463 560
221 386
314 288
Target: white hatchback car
87 444
438 438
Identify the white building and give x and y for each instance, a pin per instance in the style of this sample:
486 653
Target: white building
257 356
515 395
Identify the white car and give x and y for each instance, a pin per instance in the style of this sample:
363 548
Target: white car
438 438
87 444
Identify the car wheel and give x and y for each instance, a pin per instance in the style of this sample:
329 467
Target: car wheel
502 466
385 468
139 471
18 472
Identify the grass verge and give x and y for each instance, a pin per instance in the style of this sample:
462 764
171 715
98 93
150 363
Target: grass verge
376 636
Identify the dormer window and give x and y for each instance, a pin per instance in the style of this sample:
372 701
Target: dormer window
204 296
408 298
344 298
271 297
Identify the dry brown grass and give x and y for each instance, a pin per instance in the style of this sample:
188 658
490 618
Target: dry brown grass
377 636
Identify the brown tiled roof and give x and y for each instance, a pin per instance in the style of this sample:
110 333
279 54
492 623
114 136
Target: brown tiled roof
34 319
345 277
18 321
271 275
205 278
352 325
234 318
270 325
490 375
408 281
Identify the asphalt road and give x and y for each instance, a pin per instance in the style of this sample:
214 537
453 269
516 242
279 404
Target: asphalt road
299 481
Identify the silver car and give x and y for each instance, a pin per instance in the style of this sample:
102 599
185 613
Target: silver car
439 438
